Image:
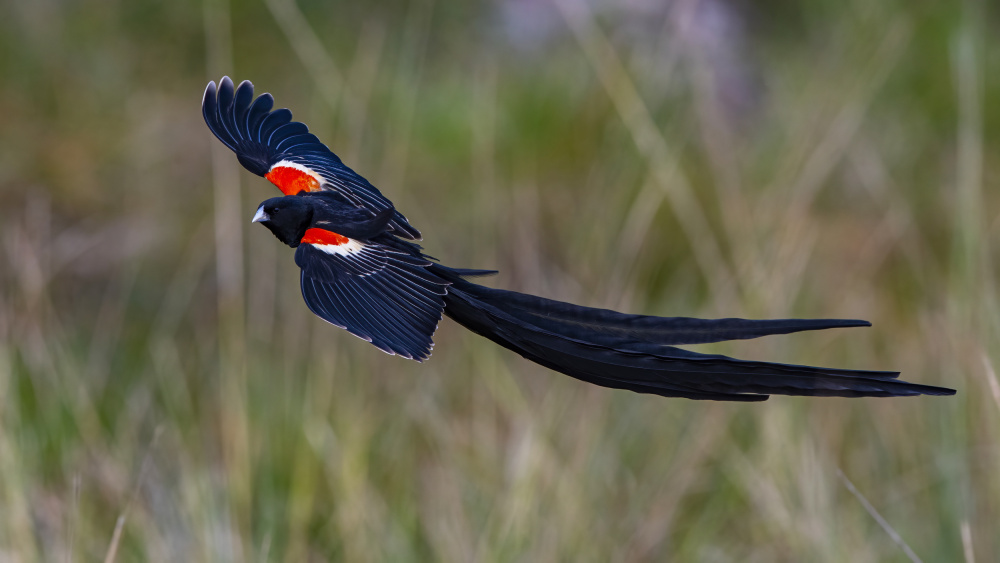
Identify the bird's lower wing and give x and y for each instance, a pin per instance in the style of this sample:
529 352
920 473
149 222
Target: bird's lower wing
378 294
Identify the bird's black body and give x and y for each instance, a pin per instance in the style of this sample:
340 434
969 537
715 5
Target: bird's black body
290 216
362 271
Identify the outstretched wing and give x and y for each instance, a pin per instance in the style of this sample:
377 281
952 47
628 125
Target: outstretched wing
378 293
268 143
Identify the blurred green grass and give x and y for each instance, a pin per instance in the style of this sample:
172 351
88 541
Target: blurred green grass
167 396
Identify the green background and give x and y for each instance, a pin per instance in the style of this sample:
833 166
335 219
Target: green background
165 394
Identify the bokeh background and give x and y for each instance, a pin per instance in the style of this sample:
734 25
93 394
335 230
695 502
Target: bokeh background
165 395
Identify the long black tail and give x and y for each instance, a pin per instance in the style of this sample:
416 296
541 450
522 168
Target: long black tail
635 352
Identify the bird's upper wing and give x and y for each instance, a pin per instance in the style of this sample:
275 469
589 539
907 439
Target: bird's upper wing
378 293
268 143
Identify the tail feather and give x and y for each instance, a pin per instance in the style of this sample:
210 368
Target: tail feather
623 329
600 347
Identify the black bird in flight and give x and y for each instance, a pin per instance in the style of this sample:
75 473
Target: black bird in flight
362 271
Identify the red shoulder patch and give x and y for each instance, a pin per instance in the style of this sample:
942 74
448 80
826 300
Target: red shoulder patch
292 180
322 236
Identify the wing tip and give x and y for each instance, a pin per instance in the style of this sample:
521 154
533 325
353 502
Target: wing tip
210 92
419 356
224 83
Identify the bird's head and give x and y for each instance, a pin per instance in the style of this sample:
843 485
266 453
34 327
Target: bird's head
287 217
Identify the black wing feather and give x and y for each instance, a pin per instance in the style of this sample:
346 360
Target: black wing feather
378 294
262 137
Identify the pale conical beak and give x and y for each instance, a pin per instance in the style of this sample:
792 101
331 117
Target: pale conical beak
261 216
